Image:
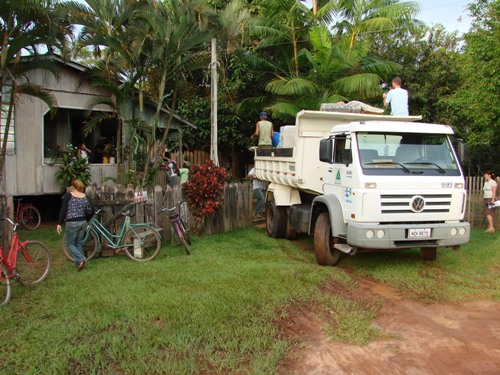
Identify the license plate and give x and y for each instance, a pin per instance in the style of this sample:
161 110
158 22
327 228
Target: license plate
419 233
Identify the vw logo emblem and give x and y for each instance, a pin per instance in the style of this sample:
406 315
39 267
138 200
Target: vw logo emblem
417 203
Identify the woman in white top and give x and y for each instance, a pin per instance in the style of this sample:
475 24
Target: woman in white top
490 195
83 152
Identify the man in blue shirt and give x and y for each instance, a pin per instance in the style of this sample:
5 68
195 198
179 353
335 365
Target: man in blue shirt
397 98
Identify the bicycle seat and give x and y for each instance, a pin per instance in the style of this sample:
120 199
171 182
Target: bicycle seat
128 213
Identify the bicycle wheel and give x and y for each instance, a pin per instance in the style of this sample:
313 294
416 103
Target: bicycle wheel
33 263
30 217
142 242
4 286
90 246
180 231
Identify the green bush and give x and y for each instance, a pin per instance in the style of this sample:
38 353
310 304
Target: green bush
73 167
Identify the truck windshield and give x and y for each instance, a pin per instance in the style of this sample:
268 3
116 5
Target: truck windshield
406 153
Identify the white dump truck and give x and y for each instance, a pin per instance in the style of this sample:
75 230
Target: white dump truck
363 182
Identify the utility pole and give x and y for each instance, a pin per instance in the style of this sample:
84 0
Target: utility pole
213 136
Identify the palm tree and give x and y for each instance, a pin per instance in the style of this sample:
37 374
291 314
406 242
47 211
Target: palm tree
109 28
27 28
145 50
335 72
361 19
176 41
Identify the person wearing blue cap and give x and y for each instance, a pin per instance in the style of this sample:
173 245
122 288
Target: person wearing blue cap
264 130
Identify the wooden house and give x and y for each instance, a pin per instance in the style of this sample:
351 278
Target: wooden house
34 135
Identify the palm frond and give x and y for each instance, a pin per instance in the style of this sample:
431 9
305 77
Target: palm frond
291 86
39 92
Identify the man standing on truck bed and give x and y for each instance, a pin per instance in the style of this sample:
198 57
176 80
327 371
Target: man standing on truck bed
264 130
397 98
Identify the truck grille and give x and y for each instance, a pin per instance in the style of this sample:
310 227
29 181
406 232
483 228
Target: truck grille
415 203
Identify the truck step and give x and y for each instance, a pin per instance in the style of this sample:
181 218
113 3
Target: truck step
345 248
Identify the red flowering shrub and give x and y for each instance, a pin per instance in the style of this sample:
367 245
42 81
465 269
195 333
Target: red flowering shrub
204 190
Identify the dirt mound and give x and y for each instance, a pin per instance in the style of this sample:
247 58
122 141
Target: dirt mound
424 339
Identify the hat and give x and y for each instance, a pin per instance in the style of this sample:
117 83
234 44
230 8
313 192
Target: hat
263 115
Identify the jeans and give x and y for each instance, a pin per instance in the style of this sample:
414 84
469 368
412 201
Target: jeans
259 193
75 233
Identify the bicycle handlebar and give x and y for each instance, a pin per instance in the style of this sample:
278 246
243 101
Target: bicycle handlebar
167 209
170 209
9 220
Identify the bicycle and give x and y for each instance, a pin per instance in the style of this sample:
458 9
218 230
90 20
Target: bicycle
28 215
179 226
141 242
29 269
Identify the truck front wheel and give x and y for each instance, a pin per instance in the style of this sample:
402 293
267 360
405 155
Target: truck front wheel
275 220
326 254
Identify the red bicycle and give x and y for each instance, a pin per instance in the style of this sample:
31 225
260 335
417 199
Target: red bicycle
179 226
27 262
28 215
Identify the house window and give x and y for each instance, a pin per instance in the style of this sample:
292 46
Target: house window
67 127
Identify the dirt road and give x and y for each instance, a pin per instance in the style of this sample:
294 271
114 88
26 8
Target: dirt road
425 339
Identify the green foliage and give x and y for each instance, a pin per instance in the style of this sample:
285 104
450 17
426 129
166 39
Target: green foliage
52 151
73 167
427 57
476 103
204 190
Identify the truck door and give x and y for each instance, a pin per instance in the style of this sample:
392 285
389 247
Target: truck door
339 173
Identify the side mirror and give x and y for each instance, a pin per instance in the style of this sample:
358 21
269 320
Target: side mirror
462 151
347 157
326 150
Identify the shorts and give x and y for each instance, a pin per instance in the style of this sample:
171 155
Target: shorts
488 211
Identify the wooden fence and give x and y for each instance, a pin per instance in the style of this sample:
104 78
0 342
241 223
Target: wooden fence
475 203
235 211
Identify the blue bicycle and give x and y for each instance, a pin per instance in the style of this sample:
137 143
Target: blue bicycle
141 242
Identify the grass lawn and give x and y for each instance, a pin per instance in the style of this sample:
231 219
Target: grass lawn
216 310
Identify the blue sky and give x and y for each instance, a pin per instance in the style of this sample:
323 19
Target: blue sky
452 14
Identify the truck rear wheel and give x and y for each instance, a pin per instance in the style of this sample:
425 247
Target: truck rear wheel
275 220
326 254
428 253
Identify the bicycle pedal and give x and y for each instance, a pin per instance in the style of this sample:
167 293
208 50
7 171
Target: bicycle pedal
16 276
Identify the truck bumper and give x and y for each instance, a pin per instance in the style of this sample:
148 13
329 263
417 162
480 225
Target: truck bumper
399 236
